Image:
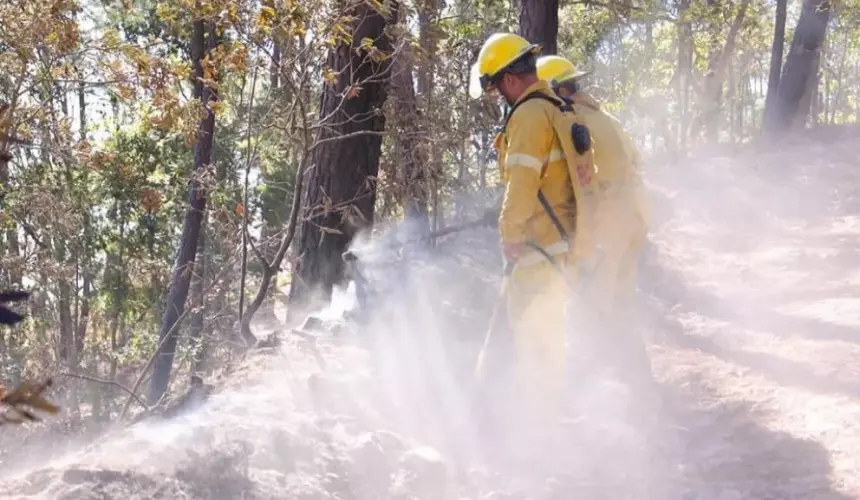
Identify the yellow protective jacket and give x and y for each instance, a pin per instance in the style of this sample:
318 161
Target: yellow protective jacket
617 160
531 158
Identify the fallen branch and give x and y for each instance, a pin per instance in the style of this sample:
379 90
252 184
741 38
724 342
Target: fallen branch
486 220
456 228
108 382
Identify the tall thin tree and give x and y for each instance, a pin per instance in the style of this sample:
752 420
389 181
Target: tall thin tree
776 52
204 41
684 70
412 147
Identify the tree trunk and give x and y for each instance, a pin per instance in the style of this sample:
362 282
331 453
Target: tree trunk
684 71
800 65
776 52
198 300
815 97
809 95
86 250
204 40
115 278
482 160
64 304
841 84
649 53
712 94
731 100
13 250
428 40
411 137
857 93
341 192
275 67
539 23
83 317
12 247
825 95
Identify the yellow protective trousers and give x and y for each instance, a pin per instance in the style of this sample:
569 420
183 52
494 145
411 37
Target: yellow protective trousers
537 300
615 337
621 232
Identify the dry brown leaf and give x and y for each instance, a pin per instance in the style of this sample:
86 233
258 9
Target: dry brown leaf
22 400
353 91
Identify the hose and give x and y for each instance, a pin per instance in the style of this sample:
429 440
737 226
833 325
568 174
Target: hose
558 268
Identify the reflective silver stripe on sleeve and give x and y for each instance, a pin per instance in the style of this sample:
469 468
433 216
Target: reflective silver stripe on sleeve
556 155
523 160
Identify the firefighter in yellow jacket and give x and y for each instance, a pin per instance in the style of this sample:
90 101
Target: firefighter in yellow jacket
622 217
532 162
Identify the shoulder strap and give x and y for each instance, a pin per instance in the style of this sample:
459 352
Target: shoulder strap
563 105
552 216
558 102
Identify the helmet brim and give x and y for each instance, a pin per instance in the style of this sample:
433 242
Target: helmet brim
476 89
572 77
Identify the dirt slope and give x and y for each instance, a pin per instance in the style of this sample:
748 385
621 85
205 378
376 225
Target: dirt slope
760 287
752 296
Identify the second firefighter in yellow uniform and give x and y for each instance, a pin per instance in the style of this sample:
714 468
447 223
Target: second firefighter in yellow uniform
622 216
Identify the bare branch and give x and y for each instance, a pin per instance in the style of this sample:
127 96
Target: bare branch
179 320
31 232
107 382
348 136
263 261
244 272
274 267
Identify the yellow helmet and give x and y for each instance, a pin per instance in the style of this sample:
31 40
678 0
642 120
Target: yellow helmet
497 53
556 69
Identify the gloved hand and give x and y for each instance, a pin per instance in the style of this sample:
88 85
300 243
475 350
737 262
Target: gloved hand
513 251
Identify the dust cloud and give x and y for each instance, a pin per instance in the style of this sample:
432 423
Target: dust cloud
749 299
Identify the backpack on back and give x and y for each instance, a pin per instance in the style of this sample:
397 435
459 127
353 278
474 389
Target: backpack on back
576 144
